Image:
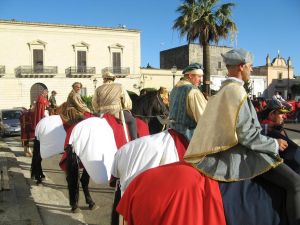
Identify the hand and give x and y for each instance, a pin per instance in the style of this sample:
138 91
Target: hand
282 144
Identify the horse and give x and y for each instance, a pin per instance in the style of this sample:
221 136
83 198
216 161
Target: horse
148 107
255 201
53 137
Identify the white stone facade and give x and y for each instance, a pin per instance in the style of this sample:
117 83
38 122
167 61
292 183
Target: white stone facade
59 46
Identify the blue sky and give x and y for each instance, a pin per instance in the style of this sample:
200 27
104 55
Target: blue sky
265 26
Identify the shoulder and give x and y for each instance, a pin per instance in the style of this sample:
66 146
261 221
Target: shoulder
234 89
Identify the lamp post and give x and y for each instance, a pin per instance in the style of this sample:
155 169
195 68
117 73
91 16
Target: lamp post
174 70
95 82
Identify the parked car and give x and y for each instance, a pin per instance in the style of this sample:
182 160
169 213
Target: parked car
10 122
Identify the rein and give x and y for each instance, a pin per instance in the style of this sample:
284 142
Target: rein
148 116
297 131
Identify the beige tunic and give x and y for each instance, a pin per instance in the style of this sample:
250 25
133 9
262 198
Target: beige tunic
75 100
195 101
111 98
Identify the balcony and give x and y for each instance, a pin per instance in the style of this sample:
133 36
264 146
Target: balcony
36 71
80 71
118 71
2 70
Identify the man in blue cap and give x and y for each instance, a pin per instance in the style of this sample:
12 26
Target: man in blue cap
228 145
187 103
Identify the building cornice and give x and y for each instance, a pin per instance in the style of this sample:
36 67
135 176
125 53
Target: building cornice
52 25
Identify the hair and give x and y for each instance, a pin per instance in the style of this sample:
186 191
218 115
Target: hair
73 85
53 92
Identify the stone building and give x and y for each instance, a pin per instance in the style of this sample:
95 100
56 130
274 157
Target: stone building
184 55
35 56
279 74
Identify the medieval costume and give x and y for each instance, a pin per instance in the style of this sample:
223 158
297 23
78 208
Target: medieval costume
187 103
112 98
228 145
52 103
75 109
27 130
41 106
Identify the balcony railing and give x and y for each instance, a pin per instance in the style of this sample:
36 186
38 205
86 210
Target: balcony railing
2 70
118 71
80 71
36 71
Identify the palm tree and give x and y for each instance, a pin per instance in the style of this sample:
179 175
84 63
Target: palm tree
205 21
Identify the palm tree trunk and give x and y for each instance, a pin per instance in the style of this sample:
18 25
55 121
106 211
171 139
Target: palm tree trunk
206 65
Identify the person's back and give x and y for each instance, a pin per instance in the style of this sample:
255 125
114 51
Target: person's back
41 106
109 96
112 98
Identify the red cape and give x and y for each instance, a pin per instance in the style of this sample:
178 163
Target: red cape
40 106
174 194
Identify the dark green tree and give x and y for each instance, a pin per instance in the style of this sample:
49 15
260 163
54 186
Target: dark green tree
207 22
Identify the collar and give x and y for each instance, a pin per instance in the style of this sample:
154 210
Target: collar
236 79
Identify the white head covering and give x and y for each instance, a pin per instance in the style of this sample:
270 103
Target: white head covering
108 74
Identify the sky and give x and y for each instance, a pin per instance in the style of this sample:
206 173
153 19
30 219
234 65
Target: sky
264 26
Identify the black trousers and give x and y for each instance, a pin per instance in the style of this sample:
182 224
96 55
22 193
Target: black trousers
288 179
130 121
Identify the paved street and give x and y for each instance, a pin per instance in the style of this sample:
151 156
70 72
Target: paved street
52 196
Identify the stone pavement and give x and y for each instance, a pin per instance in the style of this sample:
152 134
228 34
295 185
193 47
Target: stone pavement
25 203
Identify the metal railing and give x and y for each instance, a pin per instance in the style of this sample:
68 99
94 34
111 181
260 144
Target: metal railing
118 71
2 69
80 71
36 71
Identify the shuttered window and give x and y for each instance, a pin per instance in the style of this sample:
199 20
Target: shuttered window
38 61
116 62
81 61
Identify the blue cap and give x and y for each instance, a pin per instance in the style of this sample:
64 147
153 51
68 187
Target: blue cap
193 67
237 57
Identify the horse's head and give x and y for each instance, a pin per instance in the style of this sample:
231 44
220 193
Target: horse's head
150 105
159 108
61 108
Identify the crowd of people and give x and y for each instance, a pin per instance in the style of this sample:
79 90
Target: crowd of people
230 139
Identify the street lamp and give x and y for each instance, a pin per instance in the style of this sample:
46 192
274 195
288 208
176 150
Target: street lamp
174 70
95 82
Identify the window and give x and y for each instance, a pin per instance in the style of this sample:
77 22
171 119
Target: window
81 61
38 60
219 65
116 59
279 76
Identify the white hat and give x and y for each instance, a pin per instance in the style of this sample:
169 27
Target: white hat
108 74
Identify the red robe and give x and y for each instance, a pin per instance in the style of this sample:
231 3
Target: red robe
40 107
173 194
27 129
